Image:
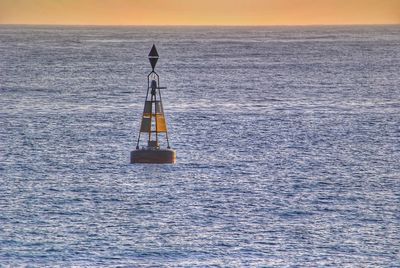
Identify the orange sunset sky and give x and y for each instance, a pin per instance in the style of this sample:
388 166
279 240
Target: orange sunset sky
199 12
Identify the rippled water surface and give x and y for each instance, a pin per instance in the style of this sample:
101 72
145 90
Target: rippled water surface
288 144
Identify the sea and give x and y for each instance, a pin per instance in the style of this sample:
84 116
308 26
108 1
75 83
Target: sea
287 141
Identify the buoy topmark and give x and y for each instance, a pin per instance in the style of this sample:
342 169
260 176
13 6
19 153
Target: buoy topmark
153 122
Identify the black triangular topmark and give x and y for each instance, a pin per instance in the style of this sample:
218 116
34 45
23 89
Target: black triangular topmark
153 52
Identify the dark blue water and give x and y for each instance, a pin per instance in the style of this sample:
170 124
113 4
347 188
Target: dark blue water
288 144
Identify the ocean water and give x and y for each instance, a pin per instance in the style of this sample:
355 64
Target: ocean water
287 139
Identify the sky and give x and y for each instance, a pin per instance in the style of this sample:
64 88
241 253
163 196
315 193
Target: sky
199 12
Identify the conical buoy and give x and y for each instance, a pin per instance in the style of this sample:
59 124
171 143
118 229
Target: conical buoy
153 123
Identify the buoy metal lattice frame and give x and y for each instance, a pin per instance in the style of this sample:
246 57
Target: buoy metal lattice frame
152 104
153 122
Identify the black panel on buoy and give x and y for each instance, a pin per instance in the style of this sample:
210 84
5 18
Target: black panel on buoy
153 122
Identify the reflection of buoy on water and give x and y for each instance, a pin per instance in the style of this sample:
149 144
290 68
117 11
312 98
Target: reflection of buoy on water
153 122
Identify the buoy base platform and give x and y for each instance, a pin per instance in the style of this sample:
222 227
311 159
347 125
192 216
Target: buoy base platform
153 156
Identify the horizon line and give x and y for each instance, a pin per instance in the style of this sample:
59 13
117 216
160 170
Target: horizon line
200 25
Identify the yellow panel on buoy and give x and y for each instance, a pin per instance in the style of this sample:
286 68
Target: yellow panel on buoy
146 124
161 124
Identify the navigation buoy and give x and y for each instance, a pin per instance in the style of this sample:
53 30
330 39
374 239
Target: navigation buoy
153 122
